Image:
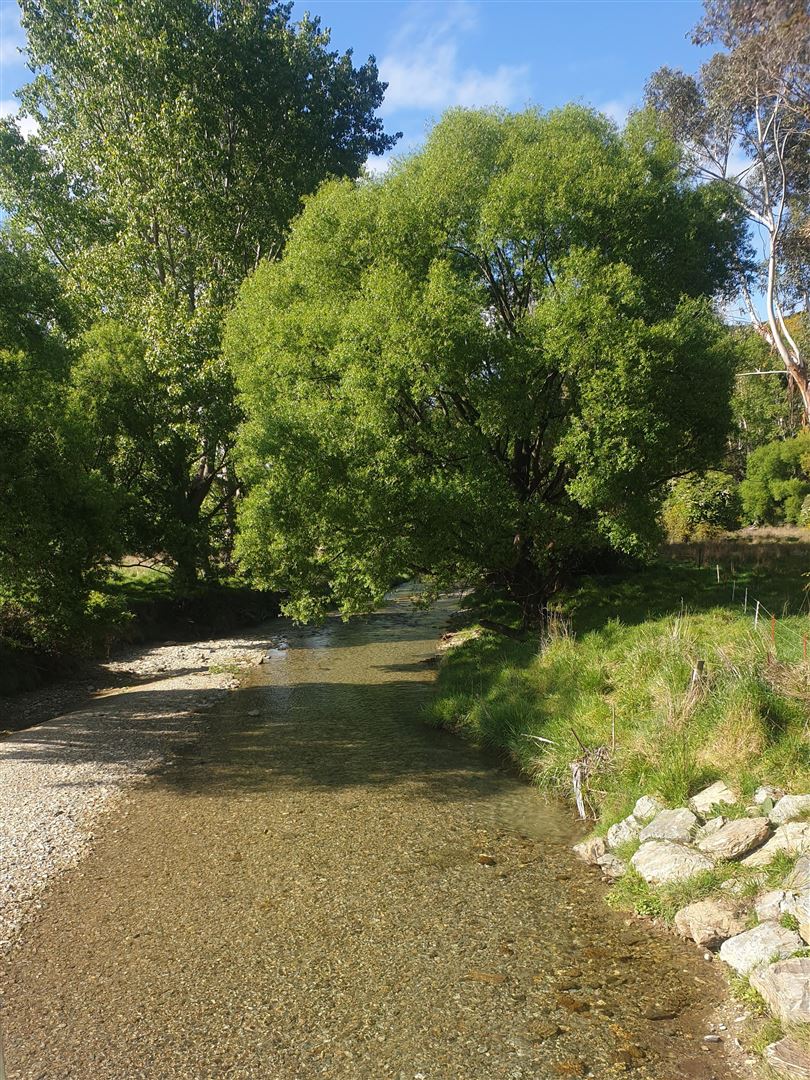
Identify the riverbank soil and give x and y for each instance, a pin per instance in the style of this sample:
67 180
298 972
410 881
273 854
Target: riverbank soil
322 886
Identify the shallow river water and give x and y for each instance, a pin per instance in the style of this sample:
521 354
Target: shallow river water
303 895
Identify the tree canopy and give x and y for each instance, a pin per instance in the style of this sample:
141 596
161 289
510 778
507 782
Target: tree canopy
174 141
56 511
484 365
744 121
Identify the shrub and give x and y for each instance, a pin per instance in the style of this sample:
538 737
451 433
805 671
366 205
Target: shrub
701 504
777 481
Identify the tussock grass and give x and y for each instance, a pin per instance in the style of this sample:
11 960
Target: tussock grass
621 658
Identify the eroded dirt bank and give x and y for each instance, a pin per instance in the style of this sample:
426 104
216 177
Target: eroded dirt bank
319 886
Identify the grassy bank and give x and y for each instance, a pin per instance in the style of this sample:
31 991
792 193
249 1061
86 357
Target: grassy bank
615 672
132 607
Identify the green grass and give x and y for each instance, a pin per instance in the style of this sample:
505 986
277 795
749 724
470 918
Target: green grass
622 655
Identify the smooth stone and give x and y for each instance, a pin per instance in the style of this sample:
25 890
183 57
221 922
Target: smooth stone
766 792
709 922
646 808
752 948
709 829
736 838
592 850
798 880
790 808
788 1059
770 906
612 866
785 986
623 832
713 795
678 825
793 838
660 861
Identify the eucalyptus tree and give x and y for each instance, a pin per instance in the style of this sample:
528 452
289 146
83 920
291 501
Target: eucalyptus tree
174 140
744 121
483 366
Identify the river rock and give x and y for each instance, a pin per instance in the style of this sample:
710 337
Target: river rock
794 838
646 808
798 880
591 850
623 832
766 793
612 866
709 829
770 906
798 905
660 861
703 802
790 808
736 838
785 986
678 825
755 947
787 1058
709 922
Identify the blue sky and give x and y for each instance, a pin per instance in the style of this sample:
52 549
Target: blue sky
437 53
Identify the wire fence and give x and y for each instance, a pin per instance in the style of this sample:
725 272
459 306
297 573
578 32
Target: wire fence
769 621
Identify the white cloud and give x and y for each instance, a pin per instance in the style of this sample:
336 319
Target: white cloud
12 37
618 109
9 107
422 66
378 166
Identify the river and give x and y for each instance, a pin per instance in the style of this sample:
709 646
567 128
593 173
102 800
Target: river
326 887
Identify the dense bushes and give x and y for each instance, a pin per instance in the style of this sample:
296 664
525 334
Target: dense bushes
699 505
777 481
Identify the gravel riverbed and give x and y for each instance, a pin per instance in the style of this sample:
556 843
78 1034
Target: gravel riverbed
59 780
314 884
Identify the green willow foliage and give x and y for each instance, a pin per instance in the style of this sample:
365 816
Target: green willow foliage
174 140
56 511
486 364
777 481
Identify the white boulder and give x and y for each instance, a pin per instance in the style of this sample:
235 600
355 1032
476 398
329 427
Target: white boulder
787 1058
793 838
623 832
709 922
661 861
646 808
714 795
755 947
785 986
677 825
736 838
790 808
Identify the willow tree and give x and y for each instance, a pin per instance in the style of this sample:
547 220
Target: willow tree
173 142
484 365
